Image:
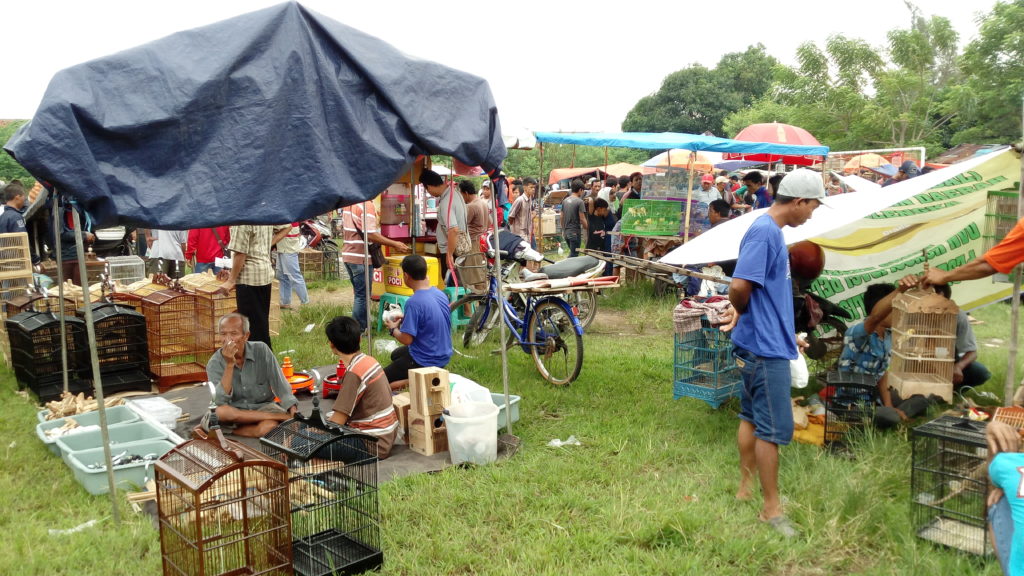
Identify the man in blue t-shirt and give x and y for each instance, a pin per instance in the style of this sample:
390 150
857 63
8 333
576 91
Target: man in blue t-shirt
424 328
764 340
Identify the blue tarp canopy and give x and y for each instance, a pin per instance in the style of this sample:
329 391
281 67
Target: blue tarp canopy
668 140
265 118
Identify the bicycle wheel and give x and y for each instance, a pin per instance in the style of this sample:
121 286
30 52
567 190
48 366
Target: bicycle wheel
558 352
585 303
482 312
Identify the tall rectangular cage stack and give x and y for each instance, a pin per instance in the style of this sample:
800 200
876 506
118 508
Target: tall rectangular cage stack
703 365
850 408
121 347
222 510
36 353
949 484
923 344
179 345
334 497
332 260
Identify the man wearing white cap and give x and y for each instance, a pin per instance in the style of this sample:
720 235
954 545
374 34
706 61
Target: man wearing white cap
764 340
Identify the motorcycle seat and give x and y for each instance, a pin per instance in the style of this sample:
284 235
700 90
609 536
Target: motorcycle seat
570 267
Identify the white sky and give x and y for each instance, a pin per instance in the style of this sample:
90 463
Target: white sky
567 65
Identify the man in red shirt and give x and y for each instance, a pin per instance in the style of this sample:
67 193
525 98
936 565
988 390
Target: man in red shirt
204 246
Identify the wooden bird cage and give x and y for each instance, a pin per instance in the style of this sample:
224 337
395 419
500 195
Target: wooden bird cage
179 346
15 256
333 494
923 344
223 509
211 307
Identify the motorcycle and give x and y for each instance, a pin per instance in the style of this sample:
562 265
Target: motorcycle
316 234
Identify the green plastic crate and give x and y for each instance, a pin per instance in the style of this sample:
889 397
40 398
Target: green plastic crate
120 434
116 415
127 476
652 217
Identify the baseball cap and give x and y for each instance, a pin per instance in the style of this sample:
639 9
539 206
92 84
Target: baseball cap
707 178
803 183
486 183
721 179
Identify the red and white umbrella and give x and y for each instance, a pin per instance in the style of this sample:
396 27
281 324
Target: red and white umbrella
776 133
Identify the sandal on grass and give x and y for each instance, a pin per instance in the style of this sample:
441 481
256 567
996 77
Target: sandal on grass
783 526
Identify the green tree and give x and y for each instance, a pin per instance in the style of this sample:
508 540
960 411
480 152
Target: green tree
993 67
696 99
9 169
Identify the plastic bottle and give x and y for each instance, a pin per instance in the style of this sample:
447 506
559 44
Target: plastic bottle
340 371
287 368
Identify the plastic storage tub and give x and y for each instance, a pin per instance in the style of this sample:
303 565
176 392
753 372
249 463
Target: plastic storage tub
473 432
164 412
116 415
120 435
126 476
499 401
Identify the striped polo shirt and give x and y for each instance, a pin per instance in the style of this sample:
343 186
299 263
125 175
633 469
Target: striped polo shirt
365 397
352 250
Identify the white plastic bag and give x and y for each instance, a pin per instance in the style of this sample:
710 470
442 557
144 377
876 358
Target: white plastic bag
466 390
798 371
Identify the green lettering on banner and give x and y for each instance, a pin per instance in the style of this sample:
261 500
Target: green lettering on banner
827 287
854 305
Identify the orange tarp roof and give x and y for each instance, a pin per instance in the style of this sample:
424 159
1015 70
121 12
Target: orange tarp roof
620 169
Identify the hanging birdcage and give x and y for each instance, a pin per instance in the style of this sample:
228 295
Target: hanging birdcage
179 345
223 509
923 344
333 493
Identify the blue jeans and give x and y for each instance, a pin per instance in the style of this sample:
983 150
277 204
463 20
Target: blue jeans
765 400
356 273
204 266
290 277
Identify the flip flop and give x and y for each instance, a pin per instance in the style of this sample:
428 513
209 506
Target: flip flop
783 526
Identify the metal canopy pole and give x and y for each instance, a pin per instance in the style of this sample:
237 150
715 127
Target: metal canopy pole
1011 361
60 292
94 357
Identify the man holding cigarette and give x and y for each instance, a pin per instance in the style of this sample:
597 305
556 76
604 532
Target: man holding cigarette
247 379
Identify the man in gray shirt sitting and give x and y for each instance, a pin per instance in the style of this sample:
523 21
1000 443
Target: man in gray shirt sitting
247 378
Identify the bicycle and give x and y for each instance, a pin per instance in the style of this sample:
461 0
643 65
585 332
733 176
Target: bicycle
542 324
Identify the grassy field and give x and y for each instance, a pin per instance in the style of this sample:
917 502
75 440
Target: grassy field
649 491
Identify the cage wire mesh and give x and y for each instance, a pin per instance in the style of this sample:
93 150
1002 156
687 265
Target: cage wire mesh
179 345
334 503
949 484
923 344
850 408
223 510
703 366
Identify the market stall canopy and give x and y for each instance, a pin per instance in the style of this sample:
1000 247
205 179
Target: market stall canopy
667 140
723 241
269 117
679 158
618 169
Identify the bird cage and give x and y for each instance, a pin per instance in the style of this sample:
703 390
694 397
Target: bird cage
703 365
949 484
125 269
850 408
311 263
211 307
15 257
923 344
27 302
121 347
178 344
334 503
222 509
12 287
35 339
274 319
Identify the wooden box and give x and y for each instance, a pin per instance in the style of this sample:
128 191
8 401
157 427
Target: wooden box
401 404
425 438
429 391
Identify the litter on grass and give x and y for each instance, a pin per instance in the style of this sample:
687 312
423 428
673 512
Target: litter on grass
570 441
79 528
